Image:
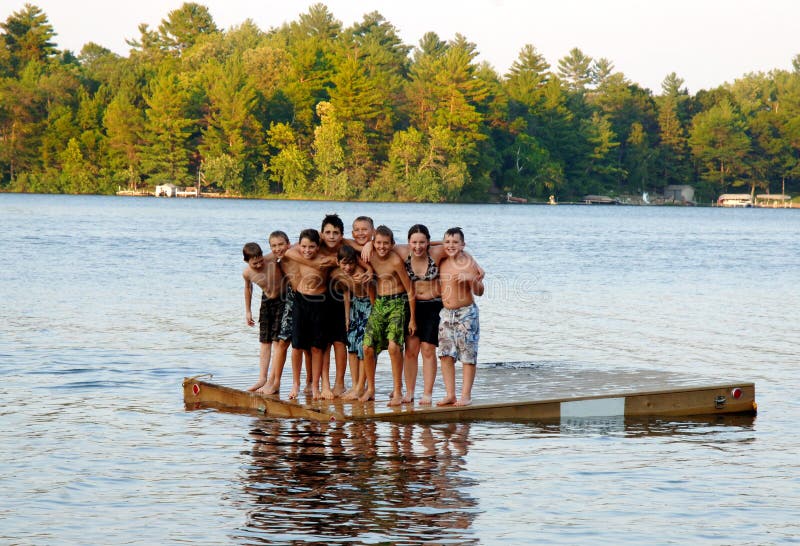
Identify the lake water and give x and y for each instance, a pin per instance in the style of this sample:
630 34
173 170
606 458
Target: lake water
107 303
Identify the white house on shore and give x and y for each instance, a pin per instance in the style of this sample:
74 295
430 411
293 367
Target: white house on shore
166 190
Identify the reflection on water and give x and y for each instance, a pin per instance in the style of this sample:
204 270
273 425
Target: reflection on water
361 481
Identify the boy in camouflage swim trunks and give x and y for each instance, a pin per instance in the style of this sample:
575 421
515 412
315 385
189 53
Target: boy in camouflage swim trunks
461 279
394 312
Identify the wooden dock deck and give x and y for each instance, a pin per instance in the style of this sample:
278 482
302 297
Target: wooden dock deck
505 392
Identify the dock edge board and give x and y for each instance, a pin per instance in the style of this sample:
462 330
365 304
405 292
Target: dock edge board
725 399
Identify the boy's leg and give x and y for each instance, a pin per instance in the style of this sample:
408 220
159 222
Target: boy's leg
449 378
309 374
340 354
354 391
369 374
323 382
297 369
396 357
428 372
466 385
280 347
410 367
316 370
264 353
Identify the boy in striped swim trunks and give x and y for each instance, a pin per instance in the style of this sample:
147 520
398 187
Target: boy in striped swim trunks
392 316
459 329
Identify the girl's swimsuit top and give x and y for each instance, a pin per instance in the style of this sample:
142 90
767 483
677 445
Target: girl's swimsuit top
430 274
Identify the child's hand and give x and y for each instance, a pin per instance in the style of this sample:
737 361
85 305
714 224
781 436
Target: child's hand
362 278
366 251
249 319
327 262
347 325
412 327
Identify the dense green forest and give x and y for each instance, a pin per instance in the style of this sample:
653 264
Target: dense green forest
315 110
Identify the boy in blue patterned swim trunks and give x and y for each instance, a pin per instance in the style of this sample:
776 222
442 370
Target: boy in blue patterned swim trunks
358 300
459 330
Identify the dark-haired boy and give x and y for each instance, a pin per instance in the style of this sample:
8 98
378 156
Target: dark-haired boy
358 300
264 272
309 313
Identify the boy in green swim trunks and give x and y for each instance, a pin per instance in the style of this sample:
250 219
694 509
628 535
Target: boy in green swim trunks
394 309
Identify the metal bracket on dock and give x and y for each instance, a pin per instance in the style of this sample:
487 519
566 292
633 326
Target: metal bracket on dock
719 402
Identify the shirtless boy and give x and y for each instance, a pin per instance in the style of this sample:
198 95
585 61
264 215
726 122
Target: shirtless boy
308 329
461 279
358 300
394 308
264 272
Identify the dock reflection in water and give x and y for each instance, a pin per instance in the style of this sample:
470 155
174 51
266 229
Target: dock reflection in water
363 481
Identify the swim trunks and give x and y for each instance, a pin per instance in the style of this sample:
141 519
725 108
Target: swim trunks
360 309
335 322
427 317
459 332
308 317
269 318
387 322
286 320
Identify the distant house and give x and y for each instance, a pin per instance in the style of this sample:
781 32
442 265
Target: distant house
735 200
679 193
774 200
166 190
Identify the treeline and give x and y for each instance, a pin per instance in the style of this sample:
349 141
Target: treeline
312 109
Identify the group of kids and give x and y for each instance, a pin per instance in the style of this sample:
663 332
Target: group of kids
361 296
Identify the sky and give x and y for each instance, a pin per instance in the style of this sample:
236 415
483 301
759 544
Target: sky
705 42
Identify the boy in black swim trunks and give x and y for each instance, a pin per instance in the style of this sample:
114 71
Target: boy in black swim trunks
266 273
309 313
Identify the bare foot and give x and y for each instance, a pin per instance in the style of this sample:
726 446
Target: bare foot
338 390
308 389
327 394
295 390
395 400
463 402
446 401
367 396
350 395
426 400
269 388
257 385
316 395
408 398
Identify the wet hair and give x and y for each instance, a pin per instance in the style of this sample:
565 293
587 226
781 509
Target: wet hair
251 250
385 231
310 234
455 231
334 220
347 254
365 219
278 233
419 228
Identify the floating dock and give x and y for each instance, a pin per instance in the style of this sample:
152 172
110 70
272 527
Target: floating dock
505 392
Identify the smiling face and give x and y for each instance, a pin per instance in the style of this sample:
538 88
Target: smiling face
418 244
348 267
256 263
453 244
382 245
331 235
362 232
308 248
278 246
